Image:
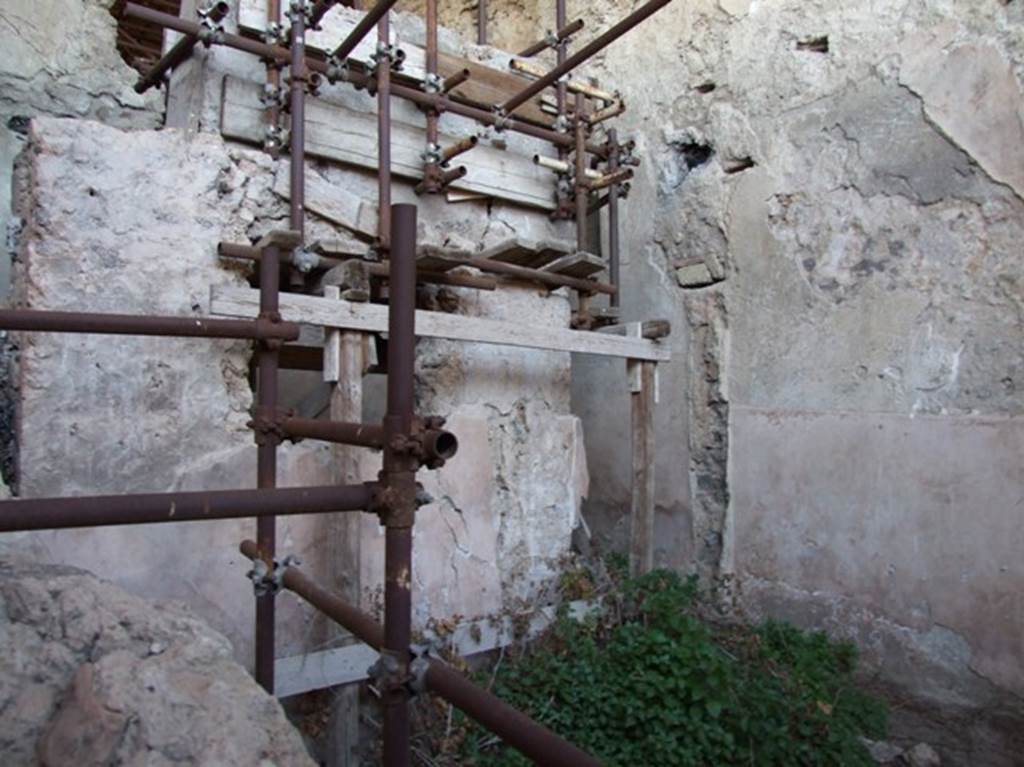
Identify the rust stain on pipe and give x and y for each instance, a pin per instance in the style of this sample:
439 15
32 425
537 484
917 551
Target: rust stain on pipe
107 510
134 325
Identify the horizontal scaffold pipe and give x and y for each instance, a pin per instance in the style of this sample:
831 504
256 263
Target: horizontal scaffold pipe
439 102
342 432
136 325
587 51
513 726
180 52
362 29
104 510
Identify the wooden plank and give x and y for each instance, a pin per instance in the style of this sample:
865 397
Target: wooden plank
333 203
343 533
344 135
338 247
532 255
486 86
641 513
329 668
320 670
373 318
645 329
437 258
577 264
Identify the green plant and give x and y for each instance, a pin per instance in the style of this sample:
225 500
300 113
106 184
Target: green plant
648 683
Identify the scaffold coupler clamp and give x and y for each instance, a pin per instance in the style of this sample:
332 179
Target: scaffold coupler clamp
388 672
269 580
273 96
418 668
305 260
275 34
433 83
561 125
432 155
301 6
501 120
266 321
274 138
210 30
394 55
266 426
338 70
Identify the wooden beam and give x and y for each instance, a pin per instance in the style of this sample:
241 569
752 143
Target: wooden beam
530 254
373 318
579 264
344 135
646 329
343 532
643 397
345 665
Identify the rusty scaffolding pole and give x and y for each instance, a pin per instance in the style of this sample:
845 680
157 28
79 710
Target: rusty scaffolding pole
409 442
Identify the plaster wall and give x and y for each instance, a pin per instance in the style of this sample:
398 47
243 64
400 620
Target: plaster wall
829 212
128 221
834 191
137 233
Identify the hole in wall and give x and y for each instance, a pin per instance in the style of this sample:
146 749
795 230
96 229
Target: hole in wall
738 165
139 43
813 44
19 124
707 87
695 154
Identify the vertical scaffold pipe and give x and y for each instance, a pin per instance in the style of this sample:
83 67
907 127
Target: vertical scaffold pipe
299 75
384 133
613 220
266 464
399 480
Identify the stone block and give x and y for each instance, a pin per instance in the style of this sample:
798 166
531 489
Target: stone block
694 276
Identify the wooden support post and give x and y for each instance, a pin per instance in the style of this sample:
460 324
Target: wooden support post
344 366
643 385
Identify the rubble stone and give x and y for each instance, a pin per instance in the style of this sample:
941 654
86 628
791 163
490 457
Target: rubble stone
93 675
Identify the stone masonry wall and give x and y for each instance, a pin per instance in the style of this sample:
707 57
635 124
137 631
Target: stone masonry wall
835 189
829 212
136 232
59 58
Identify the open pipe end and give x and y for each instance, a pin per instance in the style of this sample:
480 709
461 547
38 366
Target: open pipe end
249 549
219 11
438 446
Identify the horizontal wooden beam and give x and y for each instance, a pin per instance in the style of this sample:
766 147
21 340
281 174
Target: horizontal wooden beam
373 318
336 133
345 665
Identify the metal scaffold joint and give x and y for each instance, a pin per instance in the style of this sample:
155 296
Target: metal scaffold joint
211 30
394 55
269 580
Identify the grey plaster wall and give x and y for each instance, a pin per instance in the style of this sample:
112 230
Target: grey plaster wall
834 191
